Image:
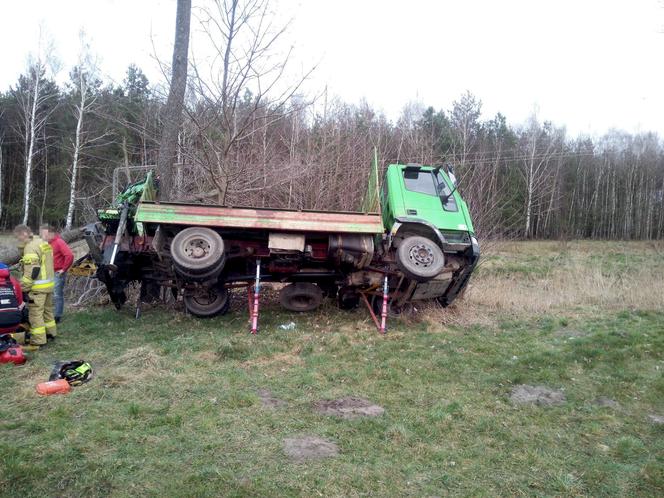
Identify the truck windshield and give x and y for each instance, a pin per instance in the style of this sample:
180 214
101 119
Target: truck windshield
423 182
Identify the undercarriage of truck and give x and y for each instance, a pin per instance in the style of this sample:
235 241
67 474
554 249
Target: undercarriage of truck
201 264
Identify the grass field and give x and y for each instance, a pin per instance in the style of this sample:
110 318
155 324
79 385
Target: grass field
174 408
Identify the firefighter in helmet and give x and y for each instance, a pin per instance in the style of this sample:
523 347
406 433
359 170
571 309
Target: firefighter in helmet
38 281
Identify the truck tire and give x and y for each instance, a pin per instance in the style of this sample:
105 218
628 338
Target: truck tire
420 258
206 303
301 296
348 299
198 250
211 274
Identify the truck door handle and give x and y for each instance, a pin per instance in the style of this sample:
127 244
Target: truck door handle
412 212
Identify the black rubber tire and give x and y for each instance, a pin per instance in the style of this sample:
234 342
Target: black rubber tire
301 297
206 303
197 250
420 258
348 299
212 273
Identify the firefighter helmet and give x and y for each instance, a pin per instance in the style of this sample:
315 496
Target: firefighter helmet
75 372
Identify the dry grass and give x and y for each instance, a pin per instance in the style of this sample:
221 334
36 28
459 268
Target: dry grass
577 286
521 278
280 360
555 275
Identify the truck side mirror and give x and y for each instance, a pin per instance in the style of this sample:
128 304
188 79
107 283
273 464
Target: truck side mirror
450 173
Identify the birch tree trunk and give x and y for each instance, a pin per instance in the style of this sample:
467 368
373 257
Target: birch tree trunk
43 204
77 149
31 144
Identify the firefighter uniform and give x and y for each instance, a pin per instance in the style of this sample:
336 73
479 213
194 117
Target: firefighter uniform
39 280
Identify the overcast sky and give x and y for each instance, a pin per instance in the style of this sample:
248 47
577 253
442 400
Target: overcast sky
587 64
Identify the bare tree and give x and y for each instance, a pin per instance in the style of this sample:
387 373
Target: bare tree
465 121
172 114
538 147
84 77
35 113
241 90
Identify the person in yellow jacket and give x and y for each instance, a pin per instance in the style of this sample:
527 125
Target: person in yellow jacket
38 281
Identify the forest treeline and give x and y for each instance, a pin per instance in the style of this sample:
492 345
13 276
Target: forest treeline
240 147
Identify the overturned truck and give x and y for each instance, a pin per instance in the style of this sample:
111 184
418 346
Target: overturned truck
413 233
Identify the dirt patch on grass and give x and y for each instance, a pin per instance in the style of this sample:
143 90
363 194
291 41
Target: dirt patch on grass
525 394
656 419
348 408
268 400
605 402
303 448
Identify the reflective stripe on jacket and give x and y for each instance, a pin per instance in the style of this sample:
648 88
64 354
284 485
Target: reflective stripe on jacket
38 274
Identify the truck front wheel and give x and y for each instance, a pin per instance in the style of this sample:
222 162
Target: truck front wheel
420 258
206 303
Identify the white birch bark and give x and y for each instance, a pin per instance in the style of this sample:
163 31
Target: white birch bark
31 142
77 148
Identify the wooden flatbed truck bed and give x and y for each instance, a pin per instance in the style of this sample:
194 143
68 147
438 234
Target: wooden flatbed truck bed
259 218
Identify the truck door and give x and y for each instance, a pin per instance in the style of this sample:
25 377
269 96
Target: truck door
420 196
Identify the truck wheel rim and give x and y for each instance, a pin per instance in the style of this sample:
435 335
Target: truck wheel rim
206 297
421 255
197 248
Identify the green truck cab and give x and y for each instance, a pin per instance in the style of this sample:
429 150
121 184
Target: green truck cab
425 195
429 229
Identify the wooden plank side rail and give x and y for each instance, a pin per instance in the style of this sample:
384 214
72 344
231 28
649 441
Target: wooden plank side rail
263 219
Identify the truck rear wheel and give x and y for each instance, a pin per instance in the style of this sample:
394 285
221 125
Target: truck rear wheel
301 296
198 251
420 258
207 302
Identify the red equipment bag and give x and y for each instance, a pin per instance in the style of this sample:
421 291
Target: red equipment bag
10 351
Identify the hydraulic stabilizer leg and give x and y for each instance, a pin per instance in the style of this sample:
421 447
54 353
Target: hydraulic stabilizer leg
257 290
383 313
122 225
